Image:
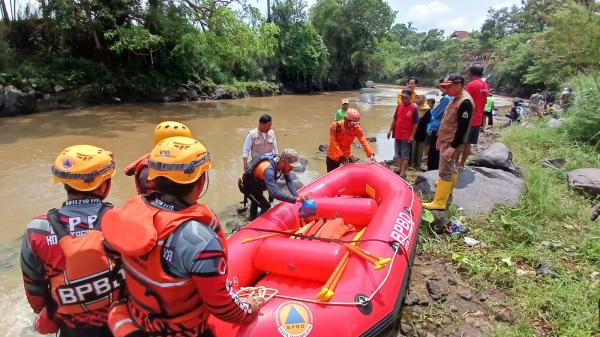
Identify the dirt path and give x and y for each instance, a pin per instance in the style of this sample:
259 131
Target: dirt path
440 303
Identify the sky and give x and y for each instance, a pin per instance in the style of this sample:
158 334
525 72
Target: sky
449 15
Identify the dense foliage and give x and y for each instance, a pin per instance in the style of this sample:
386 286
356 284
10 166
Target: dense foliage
142 47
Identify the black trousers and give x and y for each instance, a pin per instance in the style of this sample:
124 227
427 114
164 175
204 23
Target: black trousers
85 332
490 118
255 192
433 156
332 164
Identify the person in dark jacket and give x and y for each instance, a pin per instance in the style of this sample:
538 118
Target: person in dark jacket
424 111
262 174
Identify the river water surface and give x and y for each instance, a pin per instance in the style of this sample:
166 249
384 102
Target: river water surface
29 144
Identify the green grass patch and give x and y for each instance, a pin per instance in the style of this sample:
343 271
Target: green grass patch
551 227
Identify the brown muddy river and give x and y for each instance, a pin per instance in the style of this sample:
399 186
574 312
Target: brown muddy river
29 144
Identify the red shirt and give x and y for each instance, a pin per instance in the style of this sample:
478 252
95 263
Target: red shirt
406 120
478 89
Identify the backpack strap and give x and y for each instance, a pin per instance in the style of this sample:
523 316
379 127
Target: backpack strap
105 207
55 223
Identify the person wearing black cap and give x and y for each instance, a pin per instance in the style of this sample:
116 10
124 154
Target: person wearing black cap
452 136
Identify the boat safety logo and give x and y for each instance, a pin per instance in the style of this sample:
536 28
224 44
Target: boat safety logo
293 319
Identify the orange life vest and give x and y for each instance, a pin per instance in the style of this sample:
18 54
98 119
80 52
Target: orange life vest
158 302
91 280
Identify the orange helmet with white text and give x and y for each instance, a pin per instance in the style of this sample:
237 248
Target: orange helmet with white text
179 159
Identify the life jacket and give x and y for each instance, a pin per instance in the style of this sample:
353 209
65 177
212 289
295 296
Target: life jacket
262 145
158 302
139 169
91 280
255 173
405 115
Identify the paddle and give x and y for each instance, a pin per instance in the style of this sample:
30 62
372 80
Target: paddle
327 292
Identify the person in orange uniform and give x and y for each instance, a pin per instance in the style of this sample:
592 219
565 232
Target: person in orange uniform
139 168
173 252
70 279
341 136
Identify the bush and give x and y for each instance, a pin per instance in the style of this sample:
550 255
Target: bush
583 123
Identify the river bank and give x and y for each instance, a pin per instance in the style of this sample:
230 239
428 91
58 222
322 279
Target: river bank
29 98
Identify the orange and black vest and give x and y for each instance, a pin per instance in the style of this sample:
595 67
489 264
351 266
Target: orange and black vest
158 302
255 173
91 279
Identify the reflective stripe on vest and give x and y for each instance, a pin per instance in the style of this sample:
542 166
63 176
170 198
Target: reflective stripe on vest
158 300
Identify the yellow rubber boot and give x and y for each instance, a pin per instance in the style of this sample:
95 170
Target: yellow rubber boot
442 193
454 180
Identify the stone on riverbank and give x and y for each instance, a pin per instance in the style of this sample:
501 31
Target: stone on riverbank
586 180
497 156
14 102
478 189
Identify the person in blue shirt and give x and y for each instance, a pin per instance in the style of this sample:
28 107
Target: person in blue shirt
433 156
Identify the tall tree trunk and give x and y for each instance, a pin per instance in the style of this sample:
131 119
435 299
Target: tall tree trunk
5 12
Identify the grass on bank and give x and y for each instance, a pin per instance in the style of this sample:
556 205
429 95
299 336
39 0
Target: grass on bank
551 227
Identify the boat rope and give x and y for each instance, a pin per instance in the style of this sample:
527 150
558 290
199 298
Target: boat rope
260 294
317 238
399 246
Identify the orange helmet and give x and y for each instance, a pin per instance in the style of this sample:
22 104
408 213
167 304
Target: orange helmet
352 115
83 167
180 159
168 129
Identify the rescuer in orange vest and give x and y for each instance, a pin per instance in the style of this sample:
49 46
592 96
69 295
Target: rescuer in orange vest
341 136
70 279
173 251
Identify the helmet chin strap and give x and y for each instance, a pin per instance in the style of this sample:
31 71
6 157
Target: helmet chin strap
207 184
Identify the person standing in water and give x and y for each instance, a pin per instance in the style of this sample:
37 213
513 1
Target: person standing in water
341 136
70 279
341 112
262 175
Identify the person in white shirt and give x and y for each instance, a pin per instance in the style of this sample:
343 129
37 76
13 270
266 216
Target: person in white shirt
260 141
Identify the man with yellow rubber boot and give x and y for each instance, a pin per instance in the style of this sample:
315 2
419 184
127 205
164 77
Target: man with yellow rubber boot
139 168
451 138
70 279
173 251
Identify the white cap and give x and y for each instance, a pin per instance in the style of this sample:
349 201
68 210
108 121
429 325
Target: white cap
345 101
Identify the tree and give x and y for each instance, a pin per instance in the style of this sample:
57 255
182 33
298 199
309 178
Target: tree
351 29
302 55
568 47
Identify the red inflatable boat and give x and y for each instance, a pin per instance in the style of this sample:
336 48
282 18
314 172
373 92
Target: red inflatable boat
342 272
